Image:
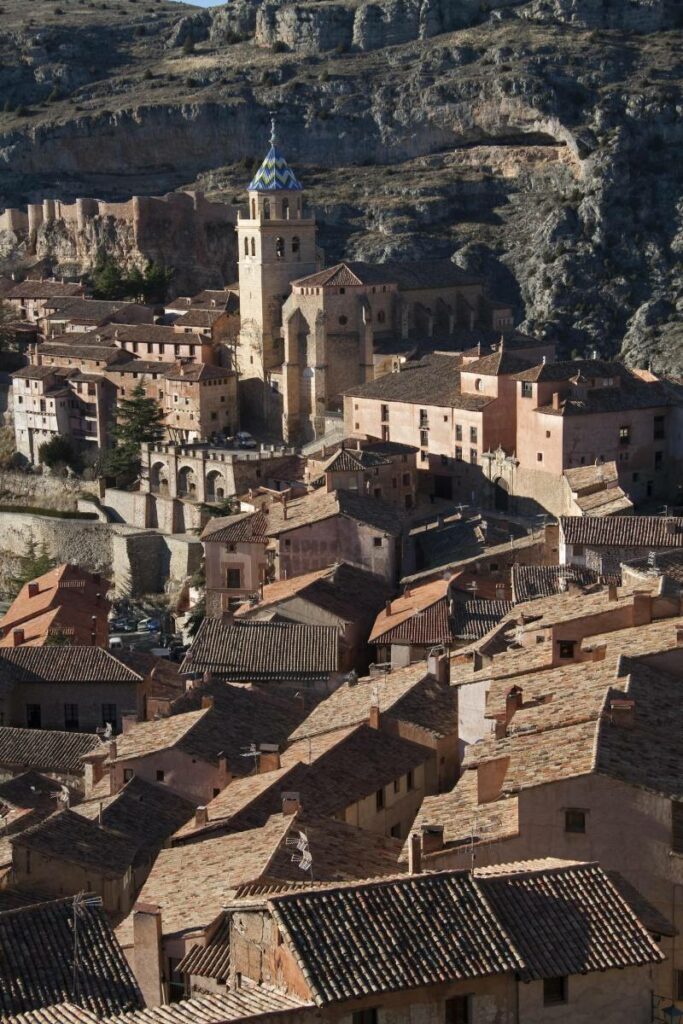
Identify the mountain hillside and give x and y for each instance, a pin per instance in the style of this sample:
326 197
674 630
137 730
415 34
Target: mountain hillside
539 142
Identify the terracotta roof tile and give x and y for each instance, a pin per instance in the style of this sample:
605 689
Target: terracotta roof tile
46 750
532 581
248 1003
432 381
342 590
623 531
37 962
55 664
244 528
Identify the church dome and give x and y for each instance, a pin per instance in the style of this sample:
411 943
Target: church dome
274 174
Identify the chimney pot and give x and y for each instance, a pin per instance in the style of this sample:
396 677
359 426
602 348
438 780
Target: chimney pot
269 761
415 853
207 701
33 589
224 773
17 637
439 666
112 750
374 716
201 817
128 720
623 713
556 400
387 608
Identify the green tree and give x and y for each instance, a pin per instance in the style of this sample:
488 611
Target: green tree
57 638
108 280
59 451
156 281
34 562
7 316
140 420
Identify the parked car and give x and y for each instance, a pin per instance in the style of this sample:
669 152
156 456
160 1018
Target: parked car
115 643
245 439
149 625
123 625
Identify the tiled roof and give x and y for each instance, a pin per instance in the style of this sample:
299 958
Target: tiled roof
472 619
56 664
246 1003
246 803
623 531
37 960
431 381
274 174
497 364
388 936
68 836
213 959
415 601
349 704
46 749
30 789
332 277
192 883
563 371
320 504
248 651
405 933
198 372
427 274
239 716
532 581
43 290
667 563
60 1013
199 318
243 528
568 920
353 460
464 820
68 594
343 590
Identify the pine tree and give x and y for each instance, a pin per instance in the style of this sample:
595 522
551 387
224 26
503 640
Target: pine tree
33 563
140 420
108 280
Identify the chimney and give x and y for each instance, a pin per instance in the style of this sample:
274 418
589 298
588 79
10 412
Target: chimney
599 652
374 718
207 701
33 589
513 702
439 665
556 400
414 853
227 618
147 959
17 637
623 713
206 677
94 772
612 593
291 803
490 779
432 838
642 608
201 817
269 761
112 750
387 608
128 720
224 773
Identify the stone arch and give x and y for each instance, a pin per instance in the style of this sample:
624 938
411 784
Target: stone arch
187 482
158 478
215 486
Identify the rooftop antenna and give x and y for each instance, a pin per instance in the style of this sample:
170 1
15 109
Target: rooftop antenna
64 796
303 857
108 730
652 561
81 904
252 751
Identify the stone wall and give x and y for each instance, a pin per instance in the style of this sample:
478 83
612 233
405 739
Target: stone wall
182 229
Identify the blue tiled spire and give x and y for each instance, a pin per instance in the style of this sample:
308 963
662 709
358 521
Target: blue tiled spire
274 173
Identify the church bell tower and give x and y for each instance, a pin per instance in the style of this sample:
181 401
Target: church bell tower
276 246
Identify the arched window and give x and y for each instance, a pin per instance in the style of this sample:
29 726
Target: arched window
253 209
246 246
285 209
266 209
253 247
295 246
477 384
298 207
280 248
381 316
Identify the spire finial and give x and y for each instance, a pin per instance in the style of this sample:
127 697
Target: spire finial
272 131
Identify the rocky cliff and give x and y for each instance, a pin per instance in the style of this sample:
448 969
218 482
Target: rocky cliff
539 142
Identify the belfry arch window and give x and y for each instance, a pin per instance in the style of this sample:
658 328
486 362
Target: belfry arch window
295 246
285 209
253 247
246 246
280 248
253 209
266 209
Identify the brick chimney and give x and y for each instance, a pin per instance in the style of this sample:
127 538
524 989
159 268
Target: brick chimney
642 608
128 720
291 803
17 637
490 779
612 592
33 589
201 817
207 700
513 702
414 853
623 712
112 750
147 952
432 838
374 719
387 608
556 399
269 761
439 666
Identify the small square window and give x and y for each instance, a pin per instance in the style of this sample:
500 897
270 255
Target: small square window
554 991
160 774
396 831
379 799
547 433
377 542
539 456
574 820
567 648
128 774
457 1010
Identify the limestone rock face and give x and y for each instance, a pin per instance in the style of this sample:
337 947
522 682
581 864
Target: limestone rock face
539 141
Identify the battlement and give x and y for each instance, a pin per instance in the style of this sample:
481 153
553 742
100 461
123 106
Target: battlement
141 212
